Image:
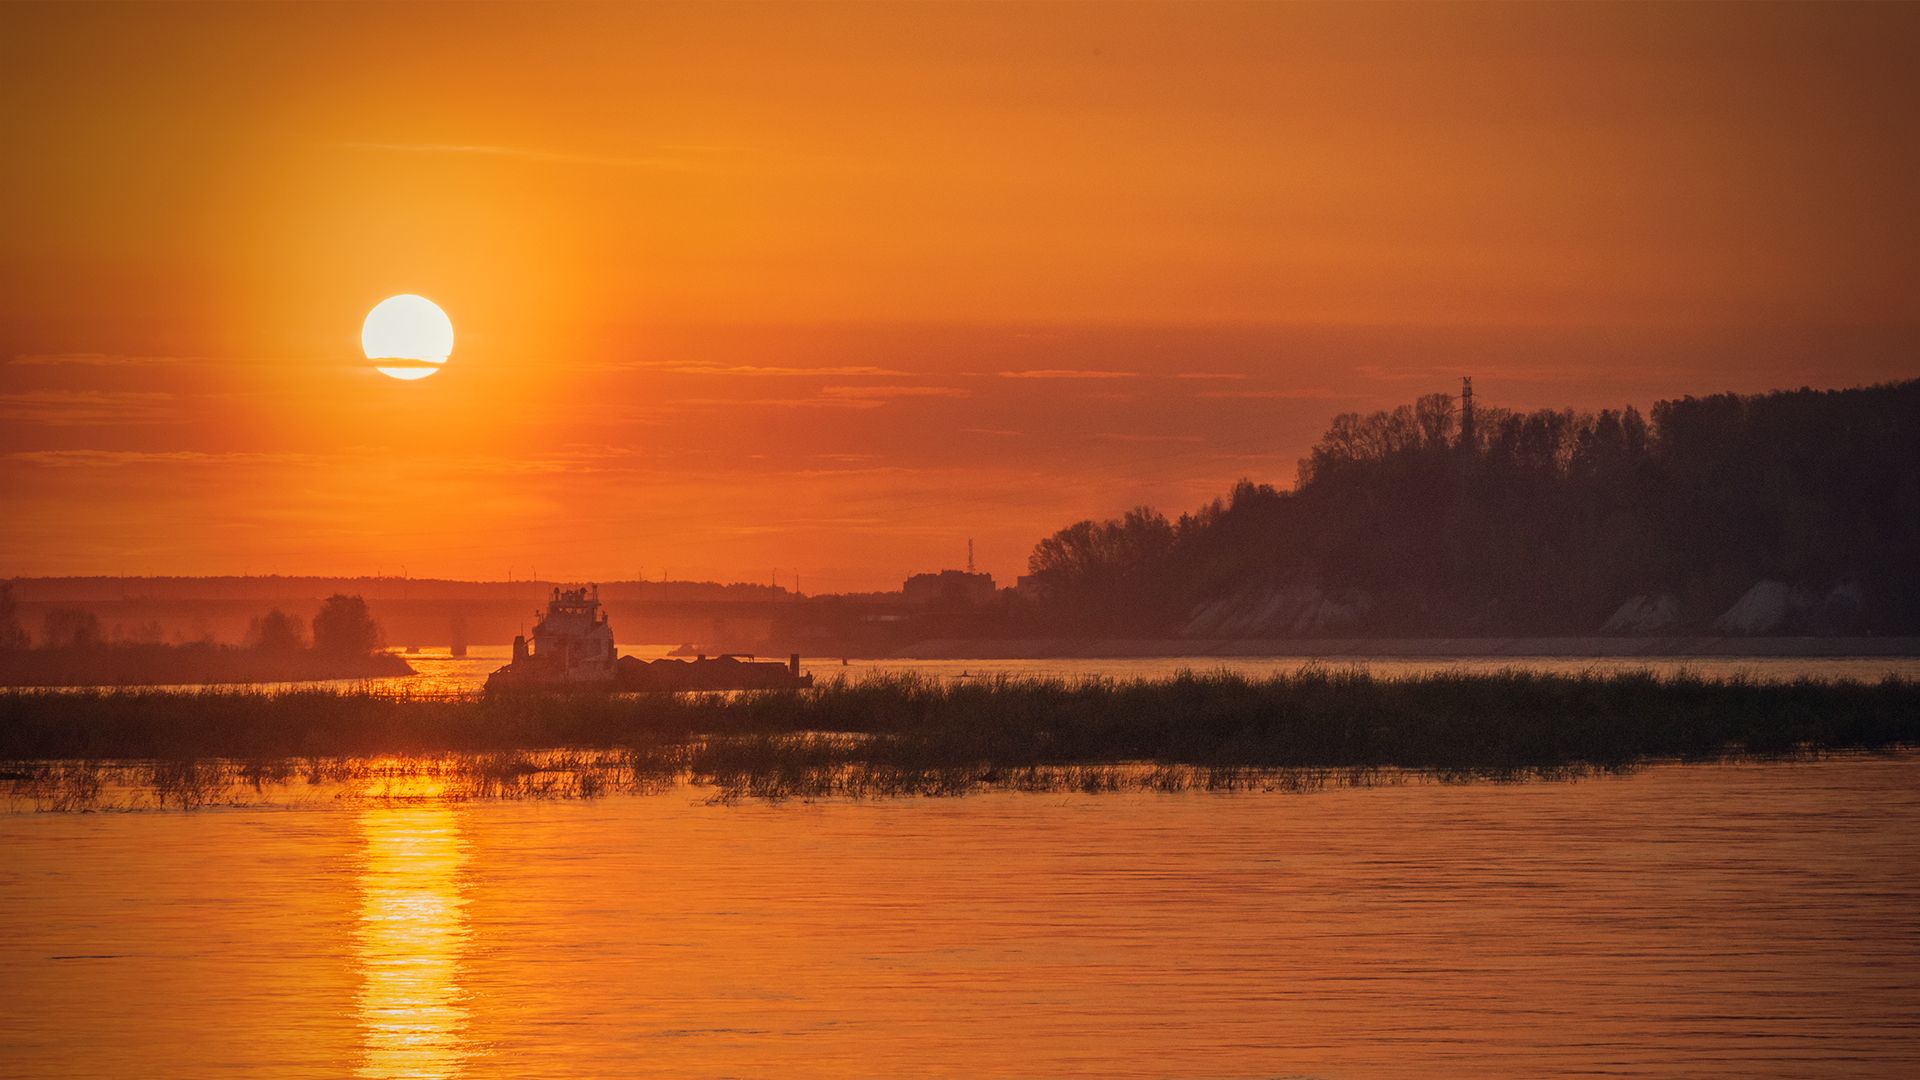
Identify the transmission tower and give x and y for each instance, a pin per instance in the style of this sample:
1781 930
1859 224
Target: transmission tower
1466 410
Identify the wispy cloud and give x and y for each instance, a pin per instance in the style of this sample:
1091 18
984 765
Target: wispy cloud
1134 437
74 408
826 397
811 402
1447 379
572 461
532 153
96 359
876 523
1210 375
863 470
114 459
1301 393
761 370
894 391
1068 373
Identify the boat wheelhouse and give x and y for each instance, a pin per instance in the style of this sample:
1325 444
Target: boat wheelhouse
572 645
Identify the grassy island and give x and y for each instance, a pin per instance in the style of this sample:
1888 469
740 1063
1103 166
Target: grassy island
905 734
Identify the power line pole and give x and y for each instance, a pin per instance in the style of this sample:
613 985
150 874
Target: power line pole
969 554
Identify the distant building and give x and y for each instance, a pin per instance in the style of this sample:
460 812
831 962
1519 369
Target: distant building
949 588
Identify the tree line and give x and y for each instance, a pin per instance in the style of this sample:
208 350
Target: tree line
71 650
1424 520
343 627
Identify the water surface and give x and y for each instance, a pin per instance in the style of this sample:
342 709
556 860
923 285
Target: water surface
1730 920
438 672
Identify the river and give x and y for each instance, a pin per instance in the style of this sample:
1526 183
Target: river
439 673
1703 920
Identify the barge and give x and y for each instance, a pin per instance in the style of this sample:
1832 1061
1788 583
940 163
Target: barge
572 649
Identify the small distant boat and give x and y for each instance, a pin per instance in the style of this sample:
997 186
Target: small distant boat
572 649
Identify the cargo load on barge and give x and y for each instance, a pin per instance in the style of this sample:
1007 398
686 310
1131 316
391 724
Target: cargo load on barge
572 649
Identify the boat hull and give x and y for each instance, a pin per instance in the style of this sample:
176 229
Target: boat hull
630 674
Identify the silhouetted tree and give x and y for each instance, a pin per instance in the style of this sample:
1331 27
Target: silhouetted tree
12 634
276 632
344 627
1112 571
70 628
1544 521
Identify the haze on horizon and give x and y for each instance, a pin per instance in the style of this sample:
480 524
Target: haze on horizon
834 288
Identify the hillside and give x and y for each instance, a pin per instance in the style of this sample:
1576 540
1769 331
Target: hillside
1791 512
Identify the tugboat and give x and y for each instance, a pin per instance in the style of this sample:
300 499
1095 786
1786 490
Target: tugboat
572 649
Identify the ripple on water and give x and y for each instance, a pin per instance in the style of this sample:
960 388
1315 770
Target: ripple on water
1699 920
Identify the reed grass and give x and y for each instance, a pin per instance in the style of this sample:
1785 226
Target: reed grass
907 734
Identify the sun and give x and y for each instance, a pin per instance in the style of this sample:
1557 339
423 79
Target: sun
407 336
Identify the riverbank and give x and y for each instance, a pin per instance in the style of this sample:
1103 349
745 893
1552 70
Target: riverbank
186 665
907 734
1573 648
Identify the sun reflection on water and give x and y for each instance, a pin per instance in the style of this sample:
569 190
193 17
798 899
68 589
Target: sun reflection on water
410 940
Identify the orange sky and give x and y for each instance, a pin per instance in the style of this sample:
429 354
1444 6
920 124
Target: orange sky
832 289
